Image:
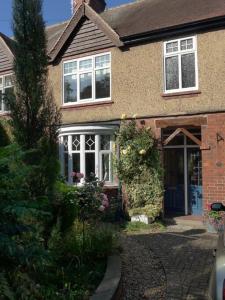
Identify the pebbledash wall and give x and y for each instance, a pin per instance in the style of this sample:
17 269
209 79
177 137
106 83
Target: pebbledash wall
137 83
137 88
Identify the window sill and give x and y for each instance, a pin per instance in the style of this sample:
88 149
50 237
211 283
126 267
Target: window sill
186 94
87 105
109 186
4 113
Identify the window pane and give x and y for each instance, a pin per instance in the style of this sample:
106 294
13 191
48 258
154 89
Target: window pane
188 70
105 142
8 81
186 44
171 47
86 86
1 100
172 73
1 82
102 83
90 164
8 93
76 143
76 166
90 142
85 64
102 61
66 157
70 67
70 88
106 166
65 143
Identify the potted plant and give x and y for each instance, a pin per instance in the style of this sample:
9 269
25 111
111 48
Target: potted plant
214 220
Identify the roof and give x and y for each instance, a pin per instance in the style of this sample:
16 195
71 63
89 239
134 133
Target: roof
53 33
8 42
84 11
150 15
145 16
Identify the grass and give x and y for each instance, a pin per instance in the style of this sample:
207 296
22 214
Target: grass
130 227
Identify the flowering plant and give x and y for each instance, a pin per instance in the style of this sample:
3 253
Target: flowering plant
214 219
139 167
105 202
77 176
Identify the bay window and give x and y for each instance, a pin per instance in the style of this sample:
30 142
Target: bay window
180 65
87 154
87 79
6 86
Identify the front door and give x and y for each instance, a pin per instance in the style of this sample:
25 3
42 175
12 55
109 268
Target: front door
174 181
183 175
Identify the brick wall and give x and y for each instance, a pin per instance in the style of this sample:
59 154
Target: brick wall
213 160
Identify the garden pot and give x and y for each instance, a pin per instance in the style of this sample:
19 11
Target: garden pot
141 218
214 228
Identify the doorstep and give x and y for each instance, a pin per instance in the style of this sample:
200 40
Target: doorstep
190 220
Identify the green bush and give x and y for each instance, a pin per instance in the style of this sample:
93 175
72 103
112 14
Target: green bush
84 241
81 202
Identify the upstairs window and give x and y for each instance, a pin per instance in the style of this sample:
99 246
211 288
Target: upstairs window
87 79
180 65
6 87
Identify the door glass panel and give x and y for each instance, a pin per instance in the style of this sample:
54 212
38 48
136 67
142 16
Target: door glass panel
174 180
194 181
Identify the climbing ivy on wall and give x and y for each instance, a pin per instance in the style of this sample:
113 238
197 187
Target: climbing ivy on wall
139 168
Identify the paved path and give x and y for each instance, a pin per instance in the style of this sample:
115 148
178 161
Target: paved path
173 265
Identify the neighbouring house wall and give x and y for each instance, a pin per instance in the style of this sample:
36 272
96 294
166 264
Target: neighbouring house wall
6 62
137 83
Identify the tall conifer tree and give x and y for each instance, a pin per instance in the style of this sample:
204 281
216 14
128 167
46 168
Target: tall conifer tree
34 114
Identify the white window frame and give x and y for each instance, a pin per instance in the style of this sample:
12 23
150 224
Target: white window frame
98 152
2 89
92 70
179 53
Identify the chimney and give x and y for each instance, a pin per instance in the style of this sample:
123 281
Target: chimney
97 5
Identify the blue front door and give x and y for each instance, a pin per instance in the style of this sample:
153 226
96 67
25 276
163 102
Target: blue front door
183 180
194 170
174 202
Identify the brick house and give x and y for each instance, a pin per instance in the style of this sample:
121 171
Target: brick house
162 60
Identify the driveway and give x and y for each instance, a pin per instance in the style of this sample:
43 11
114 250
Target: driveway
175 264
